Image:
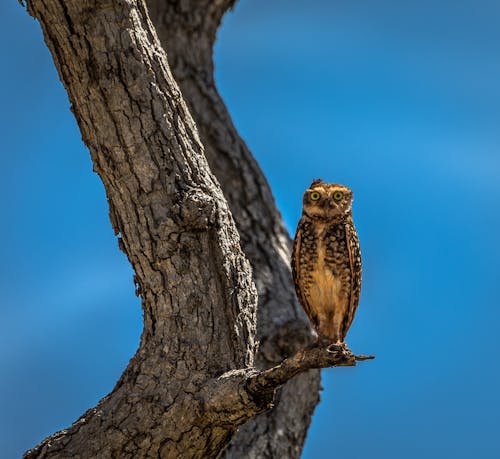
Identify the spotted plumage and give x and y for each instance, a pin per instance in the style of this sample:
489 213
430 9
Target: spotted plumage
326 260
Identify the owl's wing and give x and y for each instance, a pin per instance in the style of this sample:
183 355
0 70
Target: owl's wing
300 275
356 270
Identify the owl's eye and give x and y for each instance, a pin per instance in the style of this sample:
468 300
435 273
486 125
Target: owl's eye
338 195
314 196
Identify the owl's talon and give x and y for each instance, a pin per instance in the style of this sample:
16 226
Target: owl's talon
335 348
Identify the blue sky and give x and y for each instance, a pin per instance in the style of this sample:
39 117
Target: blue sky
398 100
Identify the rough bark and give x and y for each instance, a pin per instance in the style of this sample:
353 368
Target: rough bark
193 380
187 30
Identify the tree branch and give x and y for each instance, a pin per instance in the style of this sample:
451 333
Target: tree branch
238 393
313 357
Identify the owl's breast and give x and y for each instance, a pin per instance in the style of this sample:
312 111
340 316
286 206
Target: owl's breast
325 292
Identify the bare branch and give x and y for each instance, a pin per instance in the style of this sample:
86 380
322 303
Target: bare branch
253 391
307 359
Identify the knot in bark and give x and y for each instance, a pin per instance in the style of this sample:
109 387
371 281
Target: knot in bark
197 210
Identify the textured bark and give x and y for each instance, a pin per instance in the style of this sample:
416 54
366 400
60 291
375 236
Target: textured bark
187 30
167 209
193 381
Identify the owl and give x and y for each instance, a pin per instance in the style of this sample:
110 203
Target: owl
326 260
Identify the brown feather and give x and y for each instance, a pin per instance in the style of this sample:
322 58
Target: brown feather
356 273
296 270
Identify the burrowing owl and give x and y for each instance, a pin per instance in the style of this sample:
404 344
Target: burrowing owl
326 260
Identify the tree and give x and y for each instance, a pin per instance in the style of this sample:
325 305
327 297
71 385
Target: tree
194 214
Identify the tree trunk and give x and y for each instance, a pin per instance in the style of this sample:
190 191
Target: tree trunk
193 381
187 31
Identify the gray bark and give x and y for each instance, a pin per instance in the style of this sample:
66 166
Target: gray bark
193 380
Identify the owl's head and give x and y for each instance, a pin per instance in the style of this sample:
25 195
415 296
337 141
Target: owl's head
327 201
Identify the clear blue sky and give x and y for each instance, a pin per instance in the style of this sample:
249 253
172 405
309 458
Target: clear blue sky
398 100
